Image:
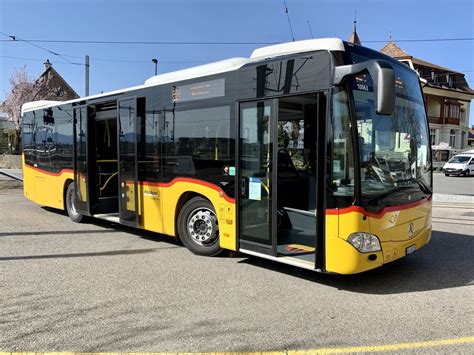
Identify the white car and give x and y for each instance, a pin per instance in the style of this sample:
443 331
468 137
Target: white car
461 164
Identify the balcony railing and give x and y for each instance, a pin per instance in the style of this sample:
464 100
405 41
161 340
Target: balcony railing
451 120
447 120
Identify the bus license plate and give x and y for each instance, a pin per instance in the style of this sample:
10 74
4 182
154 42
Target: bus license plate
410 250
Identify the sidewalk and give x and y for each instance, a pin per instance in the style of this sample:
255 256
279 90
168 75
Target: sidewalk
466 201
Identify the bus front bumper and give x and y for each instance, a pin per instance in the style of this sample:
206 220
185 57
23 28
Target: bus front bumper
348 260
396 250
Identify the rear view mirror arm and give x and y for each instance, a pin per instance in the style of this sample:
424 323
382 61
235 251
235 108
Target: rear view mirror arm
383 78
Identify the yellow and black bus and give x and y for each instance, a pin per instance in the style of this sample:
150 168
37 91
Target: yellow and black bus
313 153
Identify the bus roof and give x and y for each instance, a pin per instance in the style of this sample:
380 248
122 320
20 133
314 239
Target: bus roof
309 45
259 54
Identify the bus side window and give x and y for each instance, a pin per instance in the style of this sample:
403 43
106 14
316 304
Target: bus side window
151 137
45 141
28 138
63 137
195 140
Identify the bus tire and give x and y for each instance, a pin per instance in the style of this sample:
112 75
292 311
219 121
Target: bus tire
198 227
467 173
70 208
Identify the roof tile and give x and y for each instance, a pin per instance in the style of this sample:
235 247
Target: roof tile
395 51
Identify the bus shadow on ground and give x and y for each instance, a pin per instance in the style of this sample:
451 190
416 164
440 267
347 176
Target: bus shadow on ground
446 262
141 233
82 255
115 227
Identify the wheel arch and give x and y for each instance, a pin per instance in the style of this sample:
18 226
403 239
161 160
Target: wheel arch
67 182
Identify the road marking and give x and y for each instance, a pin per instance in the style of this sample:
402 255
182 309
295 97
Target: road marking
352 349
387 347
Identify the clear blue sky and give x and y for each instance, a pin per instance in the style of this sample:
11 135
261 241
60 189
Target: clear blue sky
216 21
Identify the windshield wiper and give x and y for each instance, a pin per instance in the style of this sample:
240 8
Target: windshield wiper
424 188
387 193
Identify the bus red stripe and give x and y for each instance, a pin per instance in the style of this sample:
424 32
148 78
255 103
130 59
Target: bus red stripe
332 211
147 183
191 181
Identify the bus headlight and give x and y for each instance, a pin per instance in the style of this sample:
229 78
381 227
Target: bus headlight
364 242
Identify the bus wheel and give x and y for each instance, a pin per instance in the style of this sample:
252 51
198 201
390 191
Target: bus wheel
467 173
198 227
70 208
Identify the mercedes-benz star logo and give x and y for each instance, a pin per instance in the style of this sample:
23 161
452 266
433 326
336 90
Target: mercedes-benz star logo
411 230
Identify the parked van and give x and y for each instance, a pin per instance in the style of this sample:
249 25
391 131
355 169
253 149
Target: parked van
460 164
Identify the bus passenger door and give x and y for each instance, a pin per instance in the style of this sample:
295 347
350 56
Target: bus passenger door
281 186
256 196
127 162
81 161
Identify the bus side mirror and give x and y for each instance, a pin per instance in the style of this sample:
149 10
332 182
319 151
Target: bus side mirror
383 78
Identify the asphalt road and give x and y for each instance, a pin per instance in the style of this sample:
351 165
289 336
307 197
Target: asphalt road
103 287
453 185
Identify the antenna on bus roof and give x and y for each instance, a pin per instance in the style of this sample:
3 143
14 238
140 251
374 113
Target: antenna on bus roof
309 26
289 22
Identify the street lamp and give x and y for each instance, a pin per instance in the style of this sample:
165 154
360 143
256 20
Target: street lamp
154 60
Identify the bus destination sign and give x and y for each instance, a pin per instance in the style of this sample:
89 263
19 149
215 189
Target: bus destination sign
198 91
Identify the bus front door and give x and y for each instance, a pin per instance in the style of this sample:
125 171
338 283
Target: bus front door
127 162
278 179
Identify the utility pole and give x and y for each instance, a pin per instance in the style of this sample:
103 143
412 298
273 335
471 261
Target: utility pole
154 60
87 76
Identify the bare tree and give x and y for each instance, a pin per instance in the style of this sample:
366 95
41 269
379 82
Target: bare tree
22 90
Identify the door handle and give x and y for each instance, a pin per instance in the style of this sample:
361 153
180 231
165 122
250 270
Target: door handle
243 187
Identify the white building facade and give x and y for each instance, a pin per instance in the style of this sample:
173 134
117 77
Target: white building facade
447 99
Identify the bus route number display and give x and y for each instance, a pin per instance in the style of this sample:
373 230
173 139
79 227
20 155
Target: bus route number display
198 91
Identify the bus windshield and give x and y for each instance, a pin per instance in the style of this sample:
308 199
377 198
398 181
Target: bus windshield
394 150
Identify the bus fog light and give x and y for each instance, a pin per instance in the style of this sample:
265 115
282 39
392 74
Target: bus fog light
364 242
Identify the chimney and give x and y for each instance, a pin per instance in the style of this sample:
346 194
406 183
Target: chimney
47 64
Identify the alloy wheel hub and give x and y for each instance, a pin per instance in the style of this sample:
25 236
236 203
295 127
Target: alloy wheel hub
202 226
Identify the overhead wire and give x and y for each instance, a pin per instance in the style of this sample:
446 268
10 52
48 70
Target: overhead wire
31 41
13 38
177 62
32 59
136 61
16 39
142 42
105 60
